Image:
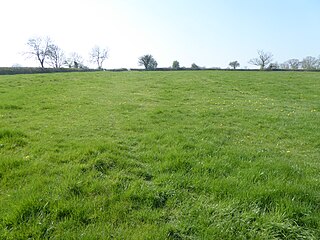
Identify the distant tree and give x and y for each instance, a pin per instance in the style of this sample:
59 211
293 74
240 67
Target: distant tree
273 66
309 63
16 65
56 56
75 61
98 55
195 66
39 48
148 62
262 60
284 65
176 65
234 64
293 64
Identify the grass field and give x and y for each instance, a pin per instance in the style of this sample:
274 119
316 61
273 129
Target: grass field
160 155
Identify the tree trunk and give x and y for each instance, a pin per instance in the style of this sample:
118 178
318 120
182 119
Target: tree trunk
42 63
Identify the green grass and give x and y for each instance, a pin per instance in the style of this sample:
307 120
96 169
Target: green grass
160 155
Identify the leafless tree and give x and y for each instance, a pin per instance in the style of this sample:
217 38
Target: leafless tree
16 65
39 48
294 63
284 65
98 55
309 63
263 59
234 64
75 61
56 56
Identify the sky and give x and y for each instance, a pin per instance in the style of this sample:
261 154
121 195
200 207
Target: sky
210 33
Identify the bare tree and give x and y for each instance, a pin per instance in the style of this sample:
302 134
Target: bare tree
263 59
99 55
309 63
39 48
16 65
234 64
284 65
75 61
293 63
148 62
56 56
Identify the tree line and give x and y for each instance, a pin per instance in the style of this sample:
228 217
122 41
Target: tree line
45 51
265 61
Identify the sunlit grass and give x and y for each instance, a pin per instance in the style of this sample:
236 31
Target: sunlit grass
160 155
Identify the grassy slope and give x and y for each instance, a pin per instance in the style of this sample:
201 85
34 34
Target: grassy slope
154 155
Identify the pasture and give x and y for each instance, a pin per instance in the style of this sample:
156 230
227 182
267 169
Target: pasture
160 155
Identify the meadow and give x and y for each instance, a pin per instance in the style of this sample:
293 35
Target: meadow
160 155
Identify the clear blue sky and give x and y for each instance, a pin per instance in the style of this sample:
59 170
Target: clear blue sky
209 33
